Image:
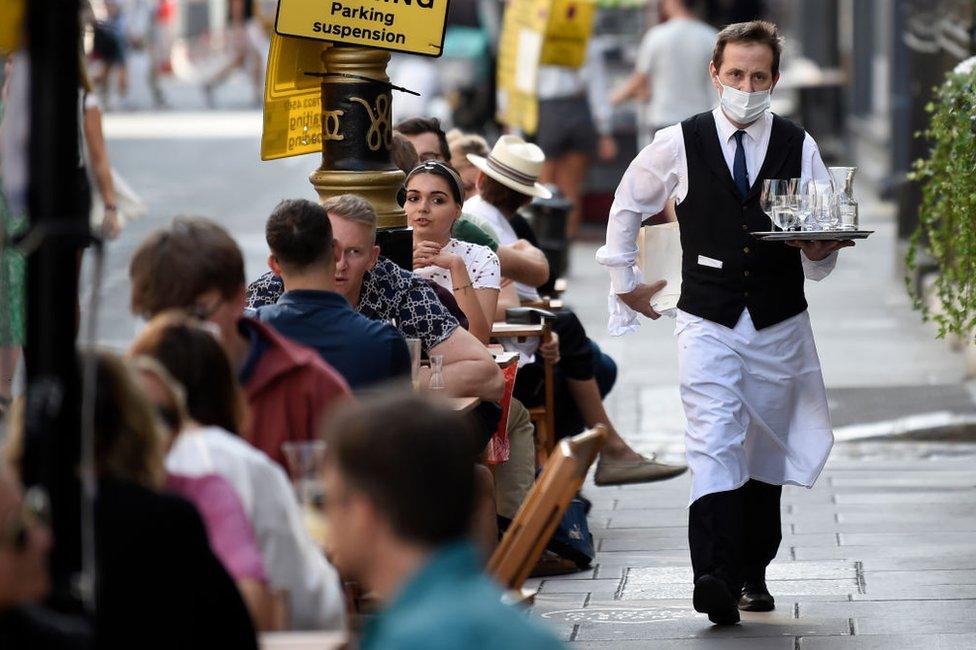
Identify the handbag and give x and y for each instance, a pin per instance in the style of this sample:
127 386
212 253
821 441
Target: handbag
573 539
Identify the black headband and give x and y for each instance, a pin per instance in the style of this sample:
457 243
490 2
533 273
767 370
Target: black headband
438 169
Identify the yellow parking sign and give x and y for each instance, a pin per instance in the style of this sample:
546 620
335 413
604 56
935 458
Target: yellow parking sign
11 24
292 98
414 26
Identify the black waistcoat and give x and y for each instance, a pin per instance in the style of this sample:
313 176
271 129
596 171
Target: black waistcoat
766 278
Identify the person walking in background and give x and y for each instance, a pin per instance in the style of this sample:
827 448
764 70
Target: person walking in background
671 73
574 124
244 33
750 379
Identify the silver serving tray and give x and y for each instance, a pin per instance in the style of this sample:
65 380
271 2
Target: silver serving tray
812 235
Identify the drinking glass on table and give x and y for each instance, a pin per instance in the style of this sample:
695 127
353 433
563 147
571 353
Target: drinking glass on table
437 372
304 459
778 199
414 346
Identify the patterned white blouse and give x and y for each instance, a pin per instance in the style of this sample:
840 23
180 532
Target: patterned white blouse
482 264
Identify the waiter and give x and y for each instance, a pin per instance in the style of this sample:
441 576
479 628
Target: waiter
751 385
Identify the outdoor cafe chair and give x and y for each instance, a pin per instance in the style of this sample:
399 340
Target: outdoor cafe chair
543 508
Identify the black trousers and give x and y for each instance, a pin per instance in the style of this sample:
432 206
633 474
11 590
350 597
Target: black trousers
734 535
580 359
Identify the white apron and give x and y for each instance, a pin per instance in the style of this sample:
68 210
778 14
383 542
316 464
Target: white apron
755 403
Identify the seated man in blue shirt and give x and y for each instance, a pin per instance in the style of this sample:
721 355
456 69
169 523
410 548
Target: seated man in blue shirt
311 312
404 536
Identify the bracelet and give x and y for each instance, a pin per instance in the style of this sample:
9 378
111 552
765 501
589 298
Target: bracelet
463 286
111 207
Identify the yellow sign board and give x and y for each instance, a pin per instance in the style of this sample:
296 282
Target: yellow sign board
414 26
534 33
11 24
568 32
292 99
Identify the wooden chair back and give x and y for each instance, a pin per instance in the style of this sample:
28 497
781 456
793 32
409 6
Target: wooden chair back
544 507
544 416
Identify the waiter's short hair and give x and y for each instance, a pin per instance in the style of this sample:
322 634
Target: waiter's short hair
754 31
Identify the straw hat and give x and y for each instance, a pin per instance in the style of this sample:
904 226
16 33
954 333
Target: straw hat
516 164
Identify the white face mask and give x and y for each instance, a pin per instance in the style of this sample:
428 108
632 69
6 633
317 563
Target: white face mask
743 107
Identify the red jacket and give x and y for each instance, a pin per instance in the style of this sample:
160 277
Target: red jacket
288 392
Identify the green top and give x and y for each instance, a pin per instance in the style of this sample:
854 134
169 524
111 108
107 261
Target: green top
450 603
467 230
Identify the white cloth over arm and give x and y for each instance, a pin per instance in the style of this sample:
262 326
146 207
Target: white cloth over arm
652 178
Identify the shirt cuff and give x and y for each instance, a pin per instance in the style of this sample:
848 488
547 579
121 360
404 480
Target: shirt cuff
818 270
623 279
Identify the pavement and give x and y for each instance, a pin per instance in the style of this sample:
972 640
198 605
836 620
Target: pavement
881 553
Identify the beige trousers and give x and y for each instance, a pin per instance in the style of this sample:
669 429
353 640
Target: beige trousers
514 478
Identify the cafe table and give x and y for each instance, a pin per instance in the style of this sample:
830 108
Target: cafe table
516 330
302 640
463 404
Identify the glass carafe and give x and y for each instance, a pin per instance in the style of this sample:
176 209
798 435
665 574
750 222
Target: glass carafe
843 179
437 372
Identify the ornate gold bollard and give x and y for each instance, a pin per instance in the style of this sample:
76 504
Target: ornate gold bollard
357 131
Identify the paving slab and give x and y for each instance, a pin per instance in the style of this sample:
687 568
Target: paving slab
933 562
880 553
889 552
927 538
900 526
928 498
753 626
861 610
890 642
700 643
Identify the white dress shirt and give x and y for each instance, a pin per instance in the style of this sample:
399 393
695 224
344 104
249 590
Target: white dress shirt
293 562
659 173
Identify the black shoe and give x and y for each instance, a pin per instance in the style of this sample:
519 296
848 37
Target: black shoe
713 597
756 597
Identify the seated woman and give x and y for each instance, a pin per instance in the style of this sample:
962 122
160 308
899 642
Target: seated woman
210 443
157 578
229 530
432 200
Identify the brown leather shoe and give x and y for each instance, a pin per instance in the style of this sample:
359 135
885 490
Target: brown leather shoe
550 564
645 470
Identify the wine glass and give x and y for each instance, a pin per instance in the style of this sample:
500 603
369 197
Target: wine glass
778 199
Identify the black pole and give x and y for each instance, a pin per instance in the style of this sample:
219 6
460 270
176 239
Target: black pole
58 206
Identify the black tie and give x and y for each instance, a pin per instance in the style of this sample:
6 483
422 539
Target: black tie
739 172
